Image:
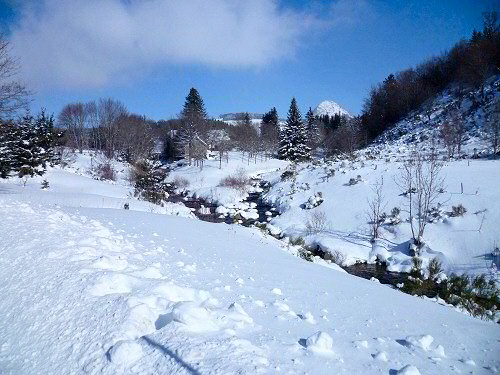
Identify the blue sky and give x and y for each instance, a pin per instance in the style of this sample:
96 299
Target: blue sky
240 55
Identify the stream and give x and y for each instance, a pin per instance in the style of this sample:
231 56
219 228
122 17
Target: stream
206 211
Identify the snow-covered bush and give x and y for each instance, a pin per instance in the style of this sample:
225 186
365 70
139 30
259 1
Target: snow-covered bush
477 295
314 201
436 213
434 268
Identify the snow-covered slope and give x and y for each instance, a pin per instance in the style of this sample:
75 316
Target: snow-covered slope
103 291
330 108
422 128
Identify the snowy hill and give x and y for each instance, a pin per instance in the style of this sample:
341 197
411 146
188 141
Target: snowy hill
422 127
330 108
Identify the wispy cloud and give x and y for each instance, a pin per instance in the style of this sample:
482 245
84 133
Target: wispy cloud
92 43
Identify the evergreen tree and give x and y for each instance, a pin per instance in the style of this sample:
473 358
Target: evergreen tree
149 180
193 123
28 159
312 129
270 129
293 138
27 147
7 141
194 106
45 137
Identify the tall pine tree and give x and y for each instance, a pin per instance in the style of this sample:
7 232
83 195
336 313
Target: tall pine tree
193 123
312 129
293 137
270 130
8 133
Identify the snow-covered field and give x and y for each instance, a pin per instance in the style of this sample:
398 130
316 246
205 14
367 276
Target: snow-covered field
88 287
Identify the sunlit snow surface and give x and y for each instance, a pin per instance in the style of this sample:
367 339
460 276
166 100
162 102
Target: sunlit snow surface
88 287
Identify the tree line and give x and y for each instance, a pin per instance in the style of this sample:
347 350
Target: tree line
467 65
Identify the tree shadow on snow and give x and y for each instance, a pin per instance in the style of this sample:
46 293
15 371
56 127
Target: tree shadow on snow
171 354
351 237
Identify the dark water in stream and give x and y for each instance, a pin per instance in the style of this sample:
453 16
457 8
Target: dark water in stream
253 197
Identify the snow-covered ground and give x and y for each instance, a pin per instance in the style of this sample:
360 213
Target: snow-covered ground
461 243
88 287
75 186
205 182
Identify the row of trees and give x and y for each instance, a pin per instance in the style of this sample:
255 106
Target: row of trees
467 65
192 133
106 125
27 146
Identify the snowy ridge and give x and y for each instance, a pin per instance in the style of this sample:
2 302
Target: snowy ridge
330 108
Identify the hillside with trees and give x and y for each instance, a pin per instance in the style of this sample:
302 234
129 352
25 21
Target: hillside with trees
465 67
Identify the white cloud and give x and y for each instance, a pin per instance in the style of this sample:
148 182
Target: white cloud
91 43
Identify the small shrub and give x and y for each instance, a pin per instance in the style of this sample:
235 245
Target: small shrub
149 183
306 254
297 241
105 171
44 185
434 268
317 223
416 270
338 257
352 181
288 175
64 157
459 210
181 183
394 218
239 181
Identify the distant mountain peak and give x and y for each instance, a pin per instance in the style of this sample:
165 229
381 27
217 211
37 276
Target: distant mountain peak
330 108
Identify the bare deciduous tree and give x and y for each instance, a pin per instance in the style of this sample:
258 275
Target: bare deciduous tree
73 118
421 183
14 96
135 137
347 138
317 223
452 133
109 111
375 208
220 140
